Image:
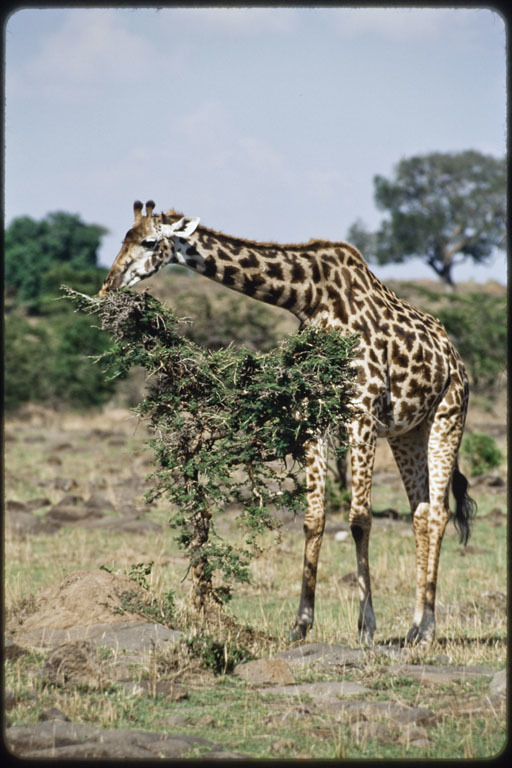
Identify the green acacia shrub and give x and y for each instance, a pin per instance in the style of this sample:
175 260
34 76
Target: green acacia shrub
481 452
229 425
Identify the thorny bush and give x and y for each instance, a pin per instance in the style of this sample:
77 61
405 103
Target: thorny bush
228 425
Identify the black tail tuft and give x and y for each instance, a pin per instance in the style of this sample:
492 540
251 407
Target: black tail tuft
466 507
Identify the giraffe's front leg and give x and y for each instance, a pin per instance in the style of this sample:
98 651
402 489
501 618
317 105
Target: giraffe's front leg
314 521
360 520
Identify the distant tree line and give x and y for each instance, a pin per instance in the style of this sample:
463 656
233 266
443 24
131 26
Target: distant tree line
47 346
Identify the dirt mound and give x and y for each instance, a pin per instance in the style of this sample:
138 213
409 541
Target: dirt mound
83 598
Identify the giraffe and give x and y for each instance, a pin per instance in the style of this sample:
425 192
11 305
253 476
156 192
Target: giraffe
412 387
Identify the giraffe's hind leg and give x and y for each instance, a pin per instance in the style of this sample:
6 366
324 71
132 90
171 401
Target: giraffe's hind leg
411 455
437 443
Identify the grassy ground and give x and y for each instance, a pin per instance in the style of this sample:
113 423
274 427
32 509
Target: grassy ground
105 451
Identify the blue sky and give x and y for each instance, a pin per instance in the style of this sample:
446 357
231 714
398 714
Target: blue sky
267 123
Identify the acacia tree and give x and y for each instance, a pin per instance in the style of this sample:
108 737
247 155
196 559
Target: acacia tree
445 208
228 425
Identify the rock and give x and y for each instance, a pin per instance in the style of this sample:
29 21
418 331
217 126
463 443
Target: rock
401 714
495 703
412 734
325 690
129 636
62 513
498 684
265 672
98 501
22 523
53 714
73 664
70 741
323 655
440 675
38 503
363 730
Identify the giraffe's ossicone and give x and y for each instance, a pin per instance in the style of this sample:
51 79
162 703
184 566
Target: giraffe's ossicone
412 384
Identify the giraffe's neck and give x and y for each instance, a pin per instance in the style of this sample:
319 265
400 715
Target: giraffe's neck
310 280
273 273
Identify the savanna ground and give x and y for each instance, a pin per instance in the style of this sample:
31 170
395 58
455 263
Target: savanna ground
61 461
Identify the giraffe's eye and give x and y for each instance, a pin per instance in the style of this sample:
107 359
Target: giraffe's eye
149 242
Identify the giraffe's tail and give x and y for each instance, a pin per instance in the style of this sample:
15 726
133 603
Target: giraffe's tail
465 508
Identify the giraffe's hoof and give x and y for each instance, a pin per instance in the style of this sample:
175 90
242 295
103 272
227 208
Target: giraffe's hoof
366 638
420 635
299 631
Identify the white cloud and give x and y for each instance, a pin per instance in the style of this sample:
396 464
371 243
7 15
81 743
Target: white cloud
238 21
87 49
401 23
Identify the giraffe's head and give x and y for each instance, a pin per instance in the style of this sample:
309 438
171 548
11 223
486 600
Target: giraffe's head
148 246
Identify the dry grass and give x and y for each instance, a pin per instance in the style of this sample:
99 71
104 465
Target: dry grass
105 451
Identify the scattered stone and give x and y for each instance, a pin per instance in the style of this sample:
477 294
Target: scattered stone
53 714
73 664
22 523
415 736
332 689
38 503
72 514
483 705
358 709
363 730
62 740
134 637
440 675
265 672
498 684
98 501
324 656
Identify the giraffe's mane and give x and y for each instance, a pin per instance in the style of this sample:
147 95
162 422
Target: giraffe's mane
314 243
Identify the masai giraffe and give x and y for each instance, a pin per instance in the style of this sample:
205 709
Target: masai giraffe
412 385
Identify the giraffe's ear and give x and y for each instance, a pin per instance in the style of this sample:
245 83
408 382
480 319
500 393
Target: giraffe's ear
185 227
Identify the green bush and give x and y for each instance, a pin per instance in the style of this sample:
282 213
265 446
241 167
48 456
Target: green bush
481 452
48 362
229 425
477 323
